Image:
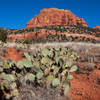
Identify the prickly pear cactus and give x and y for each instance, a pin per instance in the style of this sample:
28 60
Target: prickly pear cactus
44 75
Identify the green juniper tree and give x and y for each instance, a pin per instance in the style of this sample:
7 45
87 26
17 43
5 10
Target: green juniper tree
3 34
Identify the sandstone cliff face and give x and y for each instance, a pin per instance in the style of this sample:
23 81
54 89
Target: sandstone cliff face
96 27
54 16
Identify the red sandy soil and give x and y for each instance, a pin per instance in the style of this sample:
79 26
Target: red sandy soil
13 54
83 86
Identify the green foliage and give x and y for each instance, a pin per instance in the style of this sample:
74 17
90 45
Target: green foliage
6 65
1 69
56 82
70 77
49 79
45 52
19 65
68 64
50 67
39 75
27 56
67 87
27 63
73 68
45 60
3 35
30 77
8 77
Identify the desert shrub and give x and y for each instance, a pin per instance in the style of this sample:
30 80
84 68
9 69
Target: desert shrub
3 34
62 28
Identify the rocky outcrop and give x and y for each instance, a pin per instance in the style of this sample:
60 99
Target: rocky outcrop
96 27
54 16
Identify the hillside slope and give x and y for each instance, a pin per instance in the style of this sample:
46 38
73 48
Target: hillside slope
61 33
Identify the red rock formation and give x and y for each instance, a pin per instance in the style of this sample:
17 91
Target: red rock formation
96 27
54 16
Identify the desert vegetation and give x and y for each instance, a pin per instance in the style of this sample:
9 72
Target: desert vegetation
87 64
3 35
76 33
74 29
60 38
46 71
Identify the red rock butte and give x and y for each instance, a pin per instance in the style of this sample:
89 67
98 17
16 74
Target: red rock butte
96 27
54 16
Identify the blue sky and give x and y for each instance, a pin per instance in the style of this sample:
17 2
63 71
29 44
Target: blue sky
14 14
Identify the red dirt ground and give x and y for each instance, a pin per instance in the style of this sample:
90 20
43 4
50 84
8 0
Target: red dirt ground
83 86
13 54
